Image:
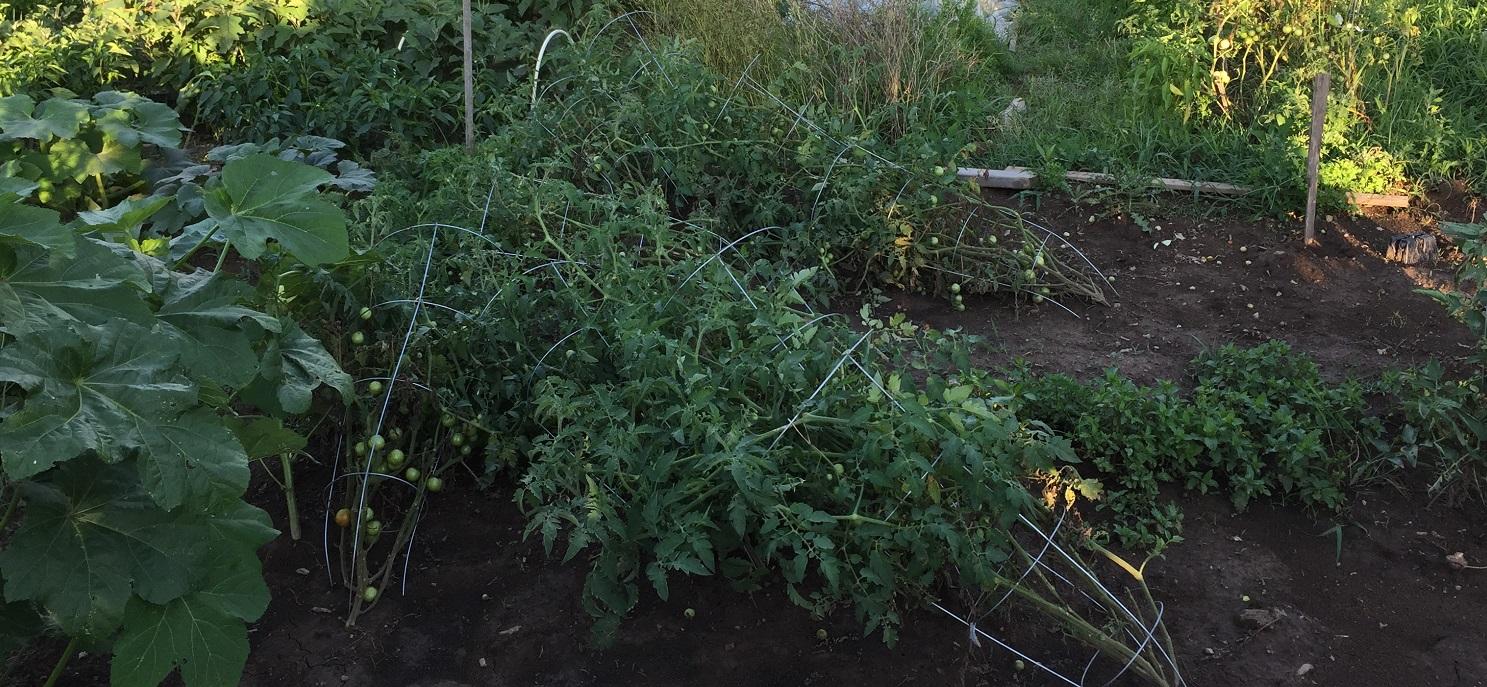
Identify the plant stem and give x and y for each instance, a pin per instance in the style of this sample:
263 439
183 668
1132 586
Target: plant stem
51 680
196 247
222 258
15 499
289 501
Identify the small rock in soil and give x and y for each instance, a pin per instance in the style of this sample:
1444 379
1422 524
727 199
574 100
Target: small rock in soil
1258 618
1304 669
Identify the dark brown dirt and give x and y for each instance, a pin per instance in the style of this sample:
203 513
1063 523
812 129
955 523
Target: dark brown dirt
485 608
1220 281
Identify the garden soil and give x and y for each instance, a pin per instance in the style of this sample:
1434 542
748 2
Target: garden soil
1271 596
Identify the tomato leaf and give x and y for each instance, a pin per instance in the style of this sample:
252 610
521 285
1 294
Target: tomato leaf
263 198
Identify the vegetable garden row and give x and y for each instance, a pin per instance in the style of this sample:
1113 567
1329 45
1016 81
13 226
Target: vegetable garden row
635 302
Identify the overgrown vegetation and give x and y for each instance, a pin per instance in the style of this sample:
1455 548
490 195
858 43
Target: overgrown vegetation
1220 91
629 301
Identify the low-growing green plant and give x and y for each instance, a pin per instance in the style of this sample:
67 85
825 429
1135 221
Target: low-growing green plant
1446 415
1257 422
126 392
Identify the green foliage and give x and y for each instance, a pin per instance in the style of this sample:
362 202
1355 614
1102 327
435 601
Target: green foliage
121 379
1444 414
357 70
1258 422
1220 91
848 195
78 153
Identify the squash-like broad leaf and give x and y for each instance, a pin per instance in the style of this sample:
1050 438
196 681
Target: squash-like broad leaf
202 312
96 287
21 223
90 539
262 198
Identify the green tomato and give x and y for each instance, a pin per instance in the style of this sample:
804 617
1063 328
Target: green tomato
934 240
955 288
466 450
447 420
367 515
1038 260
374 529
375 387
369 594
690 613
434 484
396 458
366 314
1029 275
360 448
358 338
837 468
412 474
376 442
457 439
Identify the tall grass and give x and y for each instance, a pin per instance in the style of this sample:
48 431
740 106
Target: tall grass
885 65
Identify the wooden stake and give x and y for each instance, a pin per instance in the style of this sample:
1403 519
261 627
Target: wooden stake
469 78
1319 88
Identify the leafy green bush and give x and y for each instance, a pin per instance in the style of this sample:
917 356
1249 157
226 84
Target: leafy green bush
126 385
1246 67
1258 422
80 154
356 70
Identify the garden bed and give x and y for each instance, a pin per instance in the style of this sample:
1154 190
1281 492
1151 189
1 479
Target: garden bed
1373 602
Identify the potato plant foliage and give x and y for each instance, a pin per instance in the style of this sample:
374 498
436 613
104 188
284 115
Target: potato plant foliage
125 383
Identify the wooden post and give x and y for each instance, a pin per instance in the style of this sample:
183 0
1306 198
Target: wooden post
1319 88
469 79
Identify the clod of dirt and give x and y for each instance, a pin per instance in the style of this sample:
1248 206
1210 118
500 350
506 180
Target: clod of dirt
1457 561
1260 618
1304 669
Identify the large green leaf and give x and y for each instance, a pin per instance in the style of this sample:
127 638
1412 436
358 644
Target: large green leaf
124 218
265 437
37 226
108 389
209 646
263 198
76 159
90 538
19 624
96 287
20 117
293 366
202 633
192 454
133 120
201 311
